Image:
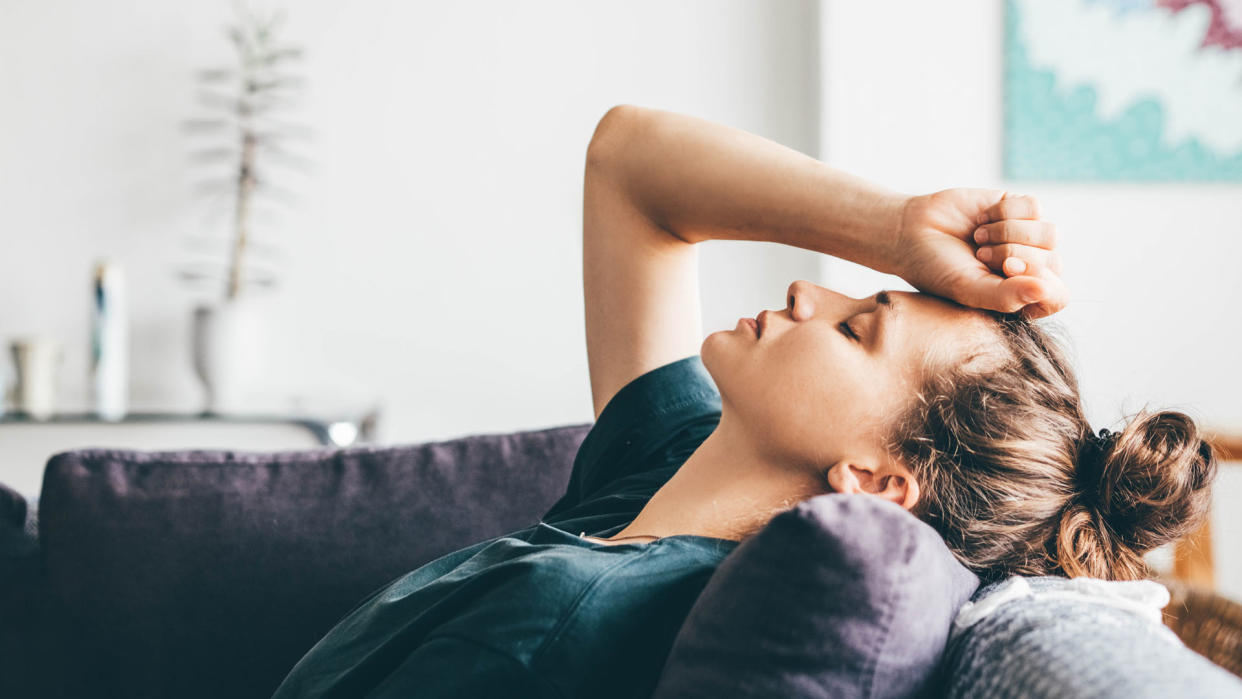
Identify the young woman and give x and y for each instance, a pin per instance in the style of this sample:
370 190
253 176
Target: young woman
951 402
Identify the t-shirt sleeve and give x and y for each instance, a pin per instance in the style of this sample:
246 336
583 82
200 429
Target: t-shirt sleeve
454 667
643 434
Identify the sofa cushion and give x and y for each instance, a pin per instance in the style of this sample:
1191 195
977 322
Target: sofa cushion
1046 639
165 567
841 596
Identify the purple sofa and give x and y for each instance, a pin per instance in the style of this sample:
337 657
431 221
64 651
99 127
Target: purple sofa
209 574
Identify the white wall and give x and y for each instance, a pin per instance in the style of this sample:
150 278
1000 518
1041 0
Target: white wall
434 262
1152 269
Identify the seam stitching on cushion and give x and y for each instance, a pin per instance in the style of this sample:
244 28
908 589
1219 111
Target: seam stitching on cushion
897 589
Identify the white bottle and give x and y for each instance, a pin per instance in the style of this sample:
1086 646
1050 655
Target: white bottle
110 343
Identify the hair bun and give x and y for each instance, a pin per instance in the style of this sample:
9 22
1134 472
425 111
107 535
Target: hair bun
1144 486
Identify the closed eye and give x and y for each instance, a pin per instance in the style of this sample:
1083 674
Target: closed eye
847 330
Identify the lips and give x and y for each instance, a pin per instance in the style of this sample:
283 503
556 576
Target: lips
752 324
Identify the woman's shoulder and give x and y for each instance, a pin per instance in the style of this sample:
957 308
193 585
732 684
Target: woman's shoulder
643 434
556 551
551 567
618 579
566 580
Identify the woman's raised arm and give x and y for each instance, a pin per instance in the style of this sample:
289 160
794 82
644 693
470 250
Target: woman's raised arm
657 182
640 281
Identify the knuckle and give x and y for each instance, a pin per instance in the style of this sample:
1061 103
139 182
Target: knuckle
1053 235
1007 230
1024 233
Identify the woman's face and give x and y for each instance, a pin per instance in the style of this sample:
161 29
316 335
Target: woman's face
823 380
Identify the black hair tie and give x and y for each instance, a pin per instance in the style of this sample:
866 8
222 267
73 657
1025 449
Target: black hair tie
1091 456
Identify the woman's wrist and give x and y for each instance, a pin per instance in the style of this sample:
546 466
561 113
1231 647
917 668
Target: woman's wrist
865 226
889 223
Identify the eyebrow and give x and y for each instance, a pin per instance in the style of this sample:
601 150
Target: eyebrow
885 302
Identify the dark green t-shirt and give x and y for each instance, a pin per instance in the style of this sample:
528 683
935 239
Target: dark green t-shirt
542 612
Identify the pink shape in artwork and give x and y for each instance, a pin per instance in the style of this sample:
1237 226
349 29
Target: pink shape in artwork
1226 27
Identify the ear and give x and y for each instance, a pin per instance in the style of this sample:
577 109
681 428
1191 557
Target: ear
889 480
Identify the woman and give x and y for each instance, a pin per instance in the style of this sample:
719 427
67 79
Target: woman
951 403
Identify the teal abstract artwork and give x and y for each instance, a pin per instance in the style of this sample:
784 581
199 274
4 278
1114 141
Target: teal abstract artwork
1123 90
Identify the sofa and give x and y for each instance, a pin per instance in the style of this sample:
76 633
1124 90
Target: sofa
210 573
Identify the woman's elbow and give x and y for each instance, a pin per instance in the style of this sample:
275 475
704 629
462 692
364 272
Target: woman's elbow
610 133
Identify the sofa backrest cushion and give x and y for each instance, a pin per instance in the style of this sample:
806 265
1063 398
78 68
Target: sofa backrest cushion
840 596
1052 642
168 567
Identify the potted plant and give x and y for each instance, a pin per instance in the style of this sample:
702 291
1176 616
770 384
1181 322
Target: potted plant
248 140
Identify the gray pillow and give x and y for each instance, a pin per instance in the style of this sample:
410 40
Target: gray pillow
1053 644
841 596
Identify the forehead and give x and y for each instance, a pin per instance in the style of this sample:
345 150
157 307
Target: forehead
927 306
931 327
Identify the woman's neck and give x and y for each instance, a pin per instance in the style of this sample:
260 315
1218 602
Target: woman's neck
726 489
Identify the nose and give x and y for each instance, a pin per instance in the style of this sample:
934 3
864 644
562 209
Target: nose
801 296
804 297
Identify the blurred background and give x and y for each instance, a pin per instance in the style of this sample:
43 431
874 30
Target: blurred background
413 265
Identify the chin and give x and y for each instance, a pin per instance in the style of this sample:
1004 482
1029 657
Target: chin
715 348
720 354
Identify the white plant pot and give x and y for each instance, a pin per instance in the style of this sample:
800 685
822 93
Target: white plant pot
229 353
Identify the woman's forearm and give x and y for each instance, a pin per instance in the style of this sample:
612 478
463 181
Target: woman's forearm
704 181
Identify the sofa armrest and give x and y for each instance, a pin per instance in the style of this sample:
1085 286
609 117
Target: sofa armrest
12 509
167 566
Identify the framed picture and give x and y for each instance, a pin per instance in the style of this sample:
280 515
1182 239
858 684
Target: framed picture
1123 90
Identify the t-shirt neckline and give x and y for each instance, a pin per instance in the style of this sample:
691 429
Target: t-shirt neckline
691 538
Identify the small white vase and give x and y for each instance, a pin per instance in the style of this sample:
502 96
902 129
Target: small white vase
229 353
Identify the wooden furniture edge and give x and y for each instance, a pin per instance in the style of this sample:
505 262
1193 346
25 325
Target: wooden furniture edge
1193 561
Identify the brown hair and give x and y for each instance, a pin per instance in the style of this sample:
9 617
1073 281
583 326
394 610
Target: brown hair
1004 457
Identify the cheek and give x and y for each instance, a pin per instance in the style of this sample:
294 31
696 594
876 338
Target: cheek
810 362
807 389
